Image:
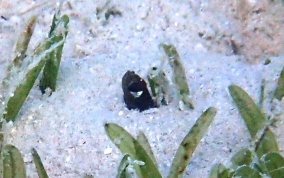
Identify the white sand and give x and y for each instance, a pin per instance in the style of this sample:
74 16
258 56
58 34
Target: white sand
67 127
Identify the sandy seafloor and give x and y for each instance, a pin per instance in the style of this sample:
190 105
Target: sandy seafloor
67 127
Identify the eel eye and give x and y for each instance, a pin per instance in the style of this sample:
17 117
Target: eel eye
136 94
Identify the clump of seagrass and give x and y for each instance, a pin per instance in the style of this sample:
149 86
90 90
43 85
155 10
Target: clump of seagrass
159 85
58 32
263 159
179 76
138 153
279 92
25 68
21 76
13 165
